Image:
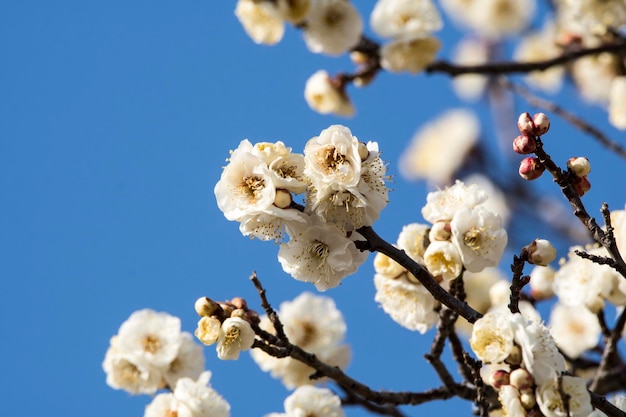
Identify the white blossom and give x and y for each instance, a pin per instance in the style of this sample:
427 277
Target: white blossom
497 201
594 75
208 330
409 54
509 398
542 282
439 148
618 221
492 338
324 96
413 239
294 10
617 102
442 259
198 399
261 21
574 329
124 371
236 335
189 363
598 15
444 204
477 287
393 18
470 51
550 397
164 405
386 266
312 401
332 27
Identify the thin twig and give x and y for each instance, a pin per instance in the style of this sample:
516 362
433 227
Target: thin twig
385 410
271 313
518 281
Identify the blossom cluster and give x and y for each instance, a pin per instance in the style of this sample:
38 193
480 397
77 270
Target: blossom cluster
343 184
314 324
313 402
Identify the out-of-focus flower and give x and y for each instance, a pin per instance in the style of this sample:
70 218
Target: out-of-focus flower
439 148
393 18
313 401
332 27
189 363
324 96
541 282
199 399
550 397
617 102
574 329
125 372
261 21
594 75
293 11
598 15
477 286
470 51
497 201
618 221
411 54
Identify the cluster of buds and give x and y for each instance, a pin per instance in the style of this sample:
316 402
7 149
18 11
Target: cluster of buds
226 323
530 128
579 167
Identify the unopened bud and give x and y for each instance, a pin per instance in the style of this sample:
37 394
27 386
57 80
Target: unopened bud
579 166
531 168
521 379
363 151
252 317
540 252
527 398
526 125
238 312
282 199
515 356
239 302
541 280
582 185
440 231
206 307
524 145
499 378
542 123
228 308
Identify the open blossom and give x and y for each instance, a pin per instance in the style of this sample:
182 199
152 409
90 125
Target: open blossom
332 27
125 372
598 15
393 18
442 259
574 329
325 97
261 21
492 338
409 54
321 254
444 204
439 148
479 237
509 398
236 335
550 397
413 239
316 325
313 402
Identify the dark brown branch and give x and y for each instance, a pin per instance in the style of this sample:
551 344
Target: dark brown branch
518 281
610 356
566 115
384 410
271 313
495 68
602 404
376 244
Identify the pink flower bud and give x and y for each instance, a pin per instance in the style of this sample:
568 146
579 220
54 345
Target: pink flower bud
582 185
526 125
499 378
521 379
540 252
542 123
531 168
524 144
579 166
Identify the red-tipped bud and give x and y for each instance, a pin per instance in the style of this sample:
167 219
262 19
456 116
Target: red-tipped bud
521 379
531 168
526 125
540 252
542 123
524 144
499 378
579 166
582 185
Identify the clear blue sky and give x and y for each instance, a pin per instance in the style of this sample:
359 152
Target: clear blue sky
115 120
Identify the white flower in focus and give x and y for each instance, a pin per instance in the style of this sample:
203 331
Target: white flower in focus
442 259
408 303
332 27
492 338
444 204
497 201
479 236
197 399
509 398
260 20
470 51
189 363
125 372
411 54
539 352
393 18
150 337
574 329
325 97
413 239
617 103
313 402
550 398
541 46
208 330
386 266
236 335
286 167
439 148
594 75
320 254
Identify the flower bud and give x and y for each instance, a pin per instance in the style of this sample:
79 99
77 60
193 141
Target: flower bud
526 125
282 199
239 312
239 302
582 185
440 231
206 307
521 379
531 168
540 252
527 398
524 144
363 151
499 378
542 123
579 166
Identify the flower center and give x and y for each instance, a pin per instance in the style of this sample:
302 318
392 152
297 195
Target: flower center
232 335
252 187
331 160
151 344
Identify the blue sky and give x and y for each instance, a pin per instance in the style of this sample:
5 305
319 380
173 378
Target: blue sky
115 120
